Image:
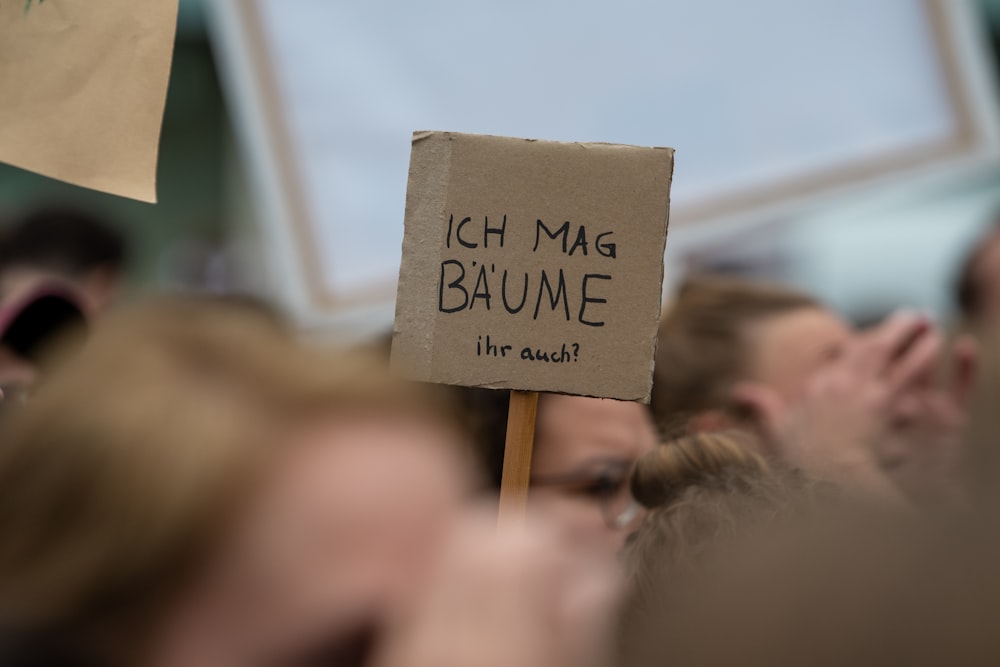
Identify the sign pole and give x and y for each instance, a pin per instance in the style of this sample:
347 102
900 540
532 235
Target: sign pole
517 457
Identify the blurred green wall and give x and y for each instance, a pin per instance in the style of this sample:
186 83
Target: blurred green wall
195 142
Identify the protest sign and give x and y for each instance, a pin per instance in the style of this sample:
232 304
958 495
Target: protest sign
532 265
83 84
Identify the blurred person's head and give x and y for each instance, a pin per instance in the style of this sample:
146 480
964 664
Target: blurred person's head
195 487
701 492
41 321
719 332
774 361
845 589
584 452
68 244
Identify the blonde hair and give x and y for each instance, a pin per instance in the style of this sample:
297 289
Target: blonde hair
664 475
702 491
116 478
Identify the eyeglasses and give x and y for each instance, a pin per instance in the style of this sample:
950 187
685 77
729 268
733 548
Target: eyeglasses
606 483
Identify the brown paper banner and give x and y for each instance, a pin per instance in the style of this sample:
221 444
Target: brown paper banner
83 84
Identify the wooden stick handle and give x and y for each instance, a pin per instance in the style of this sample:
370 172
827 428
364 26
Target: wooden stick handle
517 457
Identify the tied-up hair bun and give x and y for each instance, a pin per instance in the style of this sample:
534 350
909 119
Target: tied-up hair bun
700 459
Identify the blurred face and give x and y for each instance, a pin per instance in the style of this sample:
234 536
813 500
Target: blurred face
786 349
339 534
584 450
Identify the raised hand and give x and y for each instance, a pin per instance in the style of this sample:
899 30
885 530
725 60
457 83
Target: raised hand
838 427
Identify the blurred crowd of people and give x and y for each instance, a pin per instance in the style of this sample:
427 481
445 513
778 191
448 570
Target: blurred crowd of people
185 481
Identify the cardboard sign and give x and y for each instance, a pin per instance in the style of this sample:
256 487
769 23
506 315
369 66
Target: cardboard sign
532 265
83 84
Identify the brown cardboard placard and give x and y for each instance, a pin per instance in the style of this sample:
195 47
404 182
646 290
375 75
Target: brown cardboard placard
532 265
83 84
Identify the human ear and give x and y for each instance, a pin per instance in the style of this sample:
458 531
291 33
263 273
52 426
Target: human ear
763 413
